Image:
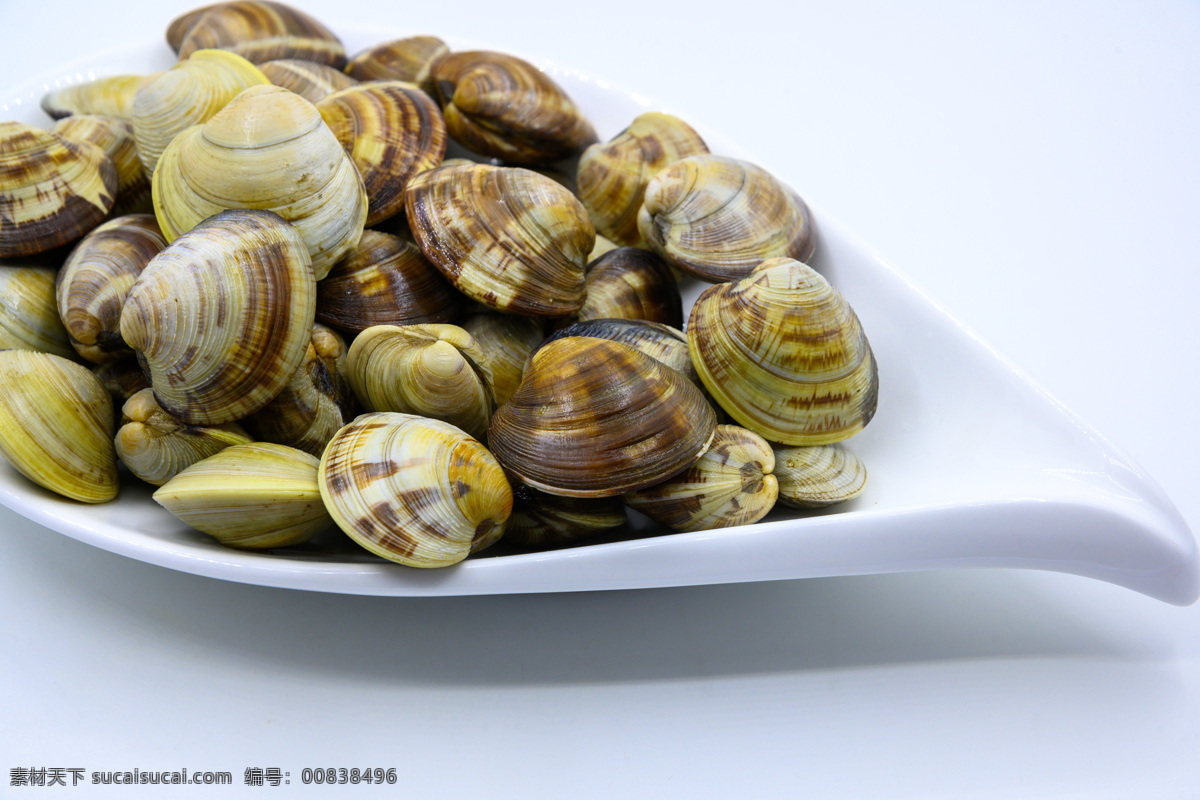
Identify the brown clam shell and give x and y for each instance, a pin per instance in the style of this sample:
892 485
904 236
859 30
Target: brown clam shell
540 521
115 137
391 130
406 59
257 30
595 418
663 343
312 81
631 283
500 105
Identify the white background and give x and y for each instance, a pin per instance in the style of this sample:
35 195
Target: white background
1032 165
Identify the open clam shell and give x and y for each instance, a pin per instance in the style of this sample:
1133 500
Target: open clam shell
257 30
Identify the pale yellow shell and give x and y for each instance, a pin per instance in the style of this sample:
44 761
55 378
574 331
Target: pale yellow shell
111 96
819 476
28 312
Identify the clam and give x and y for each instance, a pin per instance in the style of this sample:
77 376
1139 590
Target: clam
406 59
502 106
632 283
666 345
311 407
115 137
594 418
392 131
310 80
187 94
414 490
251 496
430 370
222 317
505 343
111 96
613 176
507 237
122 379
155 446
540 521
257 30
385 280
730 485
785 355
267 149
818 476
28 314
52 190
93 283
56 425
717 218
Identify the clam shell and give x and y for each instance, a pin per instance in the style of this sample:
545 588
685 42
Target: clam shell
95 280
122 379
613 176
267 149
257 30
155 446
111 96
385 280
392 131
785 355
502 106
509 238
115 137
187 94
250 496
222 317
52 190
666 345
540 521
429 370
730 485
310 80
595 418
412 490
406 59
28 314
56 425
505 343
632 283
717 218
819 476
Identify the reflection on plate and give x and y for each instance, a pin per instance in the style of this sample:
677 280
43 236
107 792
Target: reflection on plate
971 465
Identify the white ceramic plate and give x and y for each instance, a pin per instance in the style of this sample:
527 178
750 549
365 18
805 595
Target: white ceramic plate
971 464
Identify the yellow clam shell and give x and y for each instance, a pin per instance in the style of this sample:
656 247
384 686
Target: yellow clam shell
111 96
28 313
818 476
310 80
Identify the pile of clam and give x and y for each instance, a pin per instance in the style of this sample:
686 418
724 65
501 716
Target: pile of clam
256 281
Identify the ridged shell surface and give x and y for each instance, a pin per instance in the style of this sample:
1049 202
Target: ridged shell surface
730 485
111 96
222 317
250 496
784 353
257 30
595 418
717 218
187 94
502 106
613 176
507 237
541 521
28 313
52 191
631 283
268 149
56 425
820 476
666 345
413 490
115 137
96 278
407 59
392 130
310 80
505 343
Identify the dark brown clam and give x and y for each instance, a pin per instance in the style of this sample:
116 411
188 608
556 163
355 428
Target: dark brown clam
406 59
257 30
595 418
663 343
310 80
385 280
391 130
502 106
632 283
540 521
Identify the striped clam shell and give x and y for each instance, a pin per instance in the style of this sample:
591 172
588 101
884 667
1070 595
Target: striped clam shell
818 476
717 218
663 343
540 521
413 490
310 80
187 94
595 418
52 190
730 485
392 130
111 96
115 137
96 278
221 318
507 237
502 106
505 344
56 425
267 149
407 59
613 176
631 283
155 446
785 355
252 496
257 30
28 313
